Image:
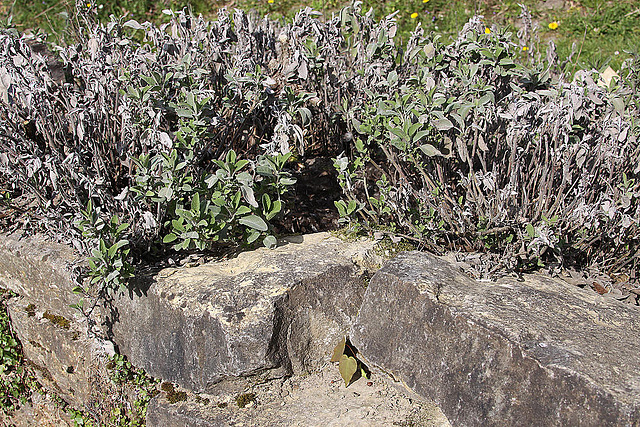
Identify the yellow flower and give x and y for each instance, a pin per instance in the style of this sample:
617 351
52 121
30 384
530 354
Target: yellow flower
414 15
525 48
425 1
270 1
487 30
89 5
553 25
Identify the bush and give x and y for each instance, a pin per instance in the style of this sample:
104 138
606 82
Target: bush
180 134
462 146
137 136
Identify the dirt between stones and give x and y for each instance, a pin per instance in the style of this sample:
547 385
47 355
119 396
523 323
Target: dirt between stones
319 399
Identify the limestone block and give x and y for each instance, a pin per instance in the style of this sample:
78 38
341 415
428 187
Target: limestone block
537 352
61 355
39 271
281 309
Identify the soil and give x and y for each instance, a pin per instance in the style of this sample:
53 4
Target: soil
310 207
319 399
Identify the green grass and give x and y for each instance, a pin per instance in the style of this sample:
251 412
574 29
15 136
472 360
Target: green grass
603 32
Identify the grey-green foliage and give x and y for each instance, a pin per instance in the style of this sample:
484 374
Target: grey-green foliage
109 264
461 145
456 145
172 130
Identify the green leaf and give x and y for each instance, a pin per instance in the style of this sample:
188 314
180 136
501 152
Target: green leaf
464 110
116 246
254 222
241 163
364 373
347 367
277 207
266 202
399 133
418 136
121 228
392 78
249 195
442 124
531 231
103 247
489 97
169 238
195 203
351 207
231 157
430 150
235 202
243 210
270 242
253 236
177 224
288 181
414 127
339 350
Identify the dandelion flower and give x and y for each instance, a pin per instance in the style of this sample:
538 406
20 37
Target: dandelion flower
89 5
487 30
553 25
270 1
414 15
525 48
425 1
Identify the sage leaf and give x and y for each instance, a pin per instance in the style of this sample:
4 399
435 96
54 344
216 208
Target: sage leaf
254 222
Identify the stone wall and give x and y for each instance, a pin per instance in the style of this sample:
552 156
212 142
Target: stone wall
532 352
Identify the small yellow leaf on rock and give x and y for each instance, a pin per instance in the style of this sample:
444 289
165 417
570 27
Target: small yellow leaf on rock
339 350
348 366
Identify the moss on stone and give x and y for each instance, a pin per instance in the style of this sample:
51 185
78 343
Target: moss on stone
244 399
57 320
173 396
202 400
387 249
31 310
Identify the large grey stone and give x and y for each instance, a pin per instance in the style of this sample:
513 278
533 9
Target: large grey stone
61 354
40 271
282 309
536 352
55 339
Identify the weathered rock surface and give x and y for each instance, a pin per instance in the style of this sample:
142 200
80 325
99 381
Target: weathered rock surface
42 411
54 338
282 309
319 399
39 271
537 352
63 358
